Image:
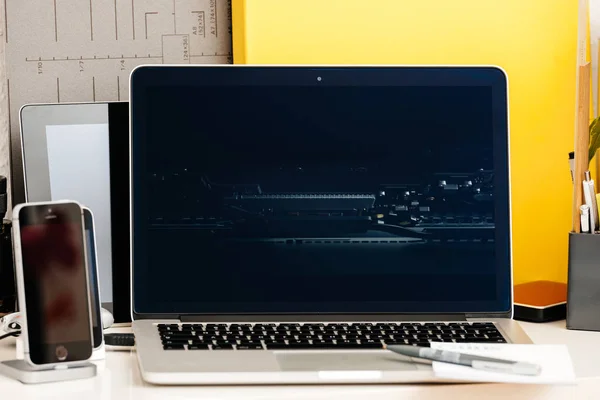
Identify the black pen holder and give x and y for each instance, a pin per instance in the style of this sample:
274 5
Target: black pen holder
583 285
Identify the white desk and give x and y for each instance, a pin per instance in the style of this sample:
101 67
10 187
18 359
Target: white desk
120 379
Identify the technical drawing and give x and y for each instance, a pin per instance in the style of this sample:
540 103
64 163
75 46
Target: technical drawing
84 50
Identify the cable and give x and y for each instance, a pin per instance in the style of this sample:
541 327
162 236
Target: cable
17 333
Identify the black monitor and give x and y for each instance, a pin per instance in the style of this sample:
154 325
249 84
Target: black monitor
320 190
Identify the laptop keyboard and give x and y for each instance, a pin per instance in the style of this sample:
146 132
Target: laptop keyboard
321 336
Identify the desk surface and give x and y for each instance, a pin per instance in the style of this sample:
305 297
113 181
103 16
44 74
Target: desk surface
119 379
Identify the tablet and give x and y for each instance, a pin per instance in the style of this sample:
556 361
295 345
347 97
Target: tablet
81 152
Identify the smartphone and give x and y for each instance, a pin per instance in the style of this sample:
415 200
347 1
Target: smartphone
92 263
52 282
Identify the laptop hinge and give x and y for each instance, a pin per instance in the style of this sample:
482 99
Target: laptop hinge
484 316
322 318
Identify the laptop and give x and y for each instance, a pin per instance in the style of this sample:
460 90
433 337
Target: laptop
287 221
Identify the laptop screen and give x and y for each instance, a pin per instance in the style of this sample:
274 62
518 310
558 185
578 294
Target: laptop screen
320 190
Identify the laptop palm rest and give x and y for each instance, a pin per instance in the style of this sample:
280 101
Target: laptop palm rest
342 361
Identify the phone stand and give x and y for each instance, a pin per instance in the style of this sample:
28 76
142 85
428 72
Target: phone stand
23 372
99 353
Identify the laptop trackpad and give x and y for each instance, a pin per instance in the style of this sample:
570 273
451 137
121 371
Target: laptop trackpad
342 360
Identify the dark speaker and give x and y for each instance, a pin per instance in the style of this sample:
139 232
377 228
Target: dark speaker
8 289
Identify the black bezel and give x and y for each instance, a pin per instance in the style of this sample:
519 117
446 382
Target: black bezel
145 78
118 142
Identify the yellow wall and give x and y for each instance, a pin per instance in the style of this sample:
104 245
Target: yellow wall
535 41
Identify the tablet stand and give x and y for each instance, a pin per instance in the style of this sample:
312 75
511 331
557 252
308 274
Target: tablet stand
25 373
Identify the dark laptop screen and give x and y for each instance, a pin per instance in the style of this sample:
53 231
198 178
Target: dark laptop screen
332 190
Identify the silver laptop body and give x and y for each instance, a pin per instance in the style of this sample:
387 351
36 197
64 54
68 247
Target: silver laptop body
200 318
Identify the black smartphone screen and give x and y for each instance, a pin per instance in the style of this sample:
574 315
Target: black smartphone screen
56 286
93 277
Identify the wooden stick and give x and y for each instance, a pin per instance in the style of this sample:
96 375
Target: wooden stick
582 142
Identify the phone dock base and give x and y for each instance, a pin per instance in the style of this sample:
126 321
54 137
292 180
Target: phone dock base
25 373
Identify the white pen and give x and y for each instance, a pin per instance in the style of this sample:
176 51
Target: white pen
477 362
584 210
594 205
588 196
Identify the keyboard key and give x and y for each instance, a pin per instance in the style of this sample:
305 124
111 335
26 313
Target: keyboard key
216 326
239 326
323 343
348 344
354 337
173 347
174 342
169 329
249 342
379 337
259 337
329 337
173 336
270 342
394 341
222 346
298 345
371 343
202 346
276 346
287 328
249 347
362 327
494 336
